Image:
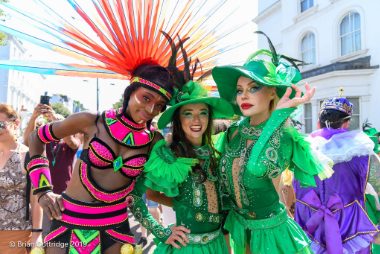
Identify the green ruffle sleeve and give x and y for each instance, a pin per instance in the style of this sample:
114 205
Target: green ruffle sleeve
141 213
280 147
164 172
307 162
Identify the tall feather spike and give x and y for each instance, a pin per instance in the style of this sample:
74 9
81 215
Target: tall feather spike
118 35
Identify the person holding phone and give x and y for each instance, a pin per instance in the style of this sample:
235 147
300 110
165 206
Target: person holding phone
45 99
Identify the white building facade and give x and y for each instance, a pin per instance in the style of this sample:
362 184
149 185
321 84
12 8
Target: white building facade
19 89
339 40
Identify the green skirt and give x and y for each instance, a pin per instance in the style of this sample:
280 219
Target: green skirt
208 243
277 235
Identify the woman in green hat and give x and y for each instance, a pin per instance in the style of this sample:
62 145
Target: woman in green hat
185 170
258 149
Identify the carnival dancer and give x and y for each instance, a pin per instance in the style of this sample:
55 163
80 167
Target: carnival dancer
185 169
123 41
333 213
260 147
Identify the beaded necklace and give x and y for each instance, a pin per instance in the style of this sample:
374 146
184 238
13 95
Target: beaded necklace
204 153
248 132
126 132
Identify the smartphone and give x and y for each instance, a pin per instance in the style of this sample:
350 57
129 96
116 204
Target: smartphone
45 99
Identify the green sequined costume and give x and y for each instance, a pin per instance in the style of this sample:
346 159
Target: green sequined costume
252 157
141 213
196 204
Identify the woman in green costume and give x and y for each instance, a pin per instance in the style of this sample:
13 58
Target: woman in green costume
259 148
185 170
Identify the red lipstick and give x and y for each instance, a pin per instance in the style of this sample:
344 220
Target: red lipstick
246 105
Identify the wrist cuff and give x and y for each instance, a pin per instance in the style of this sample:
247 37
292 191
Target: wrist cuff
39 173
46 135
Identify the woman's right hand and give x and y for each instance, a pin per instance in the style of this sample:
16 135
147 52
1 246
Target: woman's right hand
52 204
178 236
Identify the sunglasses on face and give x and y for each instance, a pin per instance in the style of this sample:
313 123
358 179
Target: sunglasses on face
3 124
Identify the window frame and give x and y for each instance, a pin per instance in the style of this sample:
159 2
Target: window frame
307 118
311 4
312 49
351 33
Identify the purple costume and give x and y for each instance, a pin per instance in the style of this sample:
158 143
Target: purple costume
333 213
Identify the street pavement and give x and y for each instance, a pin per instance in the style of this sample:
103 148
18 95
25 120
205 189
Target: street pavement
136 230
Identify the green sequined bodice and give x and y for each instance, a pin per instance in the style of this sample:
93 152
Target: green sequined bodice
254 197
198 204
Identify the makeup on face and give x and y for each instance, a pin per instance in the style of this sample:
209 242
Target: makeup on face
253 98
251 88
144 105
152 101
194 121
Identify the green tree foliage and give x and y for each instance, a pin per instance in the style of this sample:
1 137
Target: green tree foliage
118 104
78 106
59 108
3 36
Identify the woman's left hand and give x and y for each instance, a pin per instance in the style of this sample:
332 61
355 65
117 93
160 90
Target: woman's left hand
286 102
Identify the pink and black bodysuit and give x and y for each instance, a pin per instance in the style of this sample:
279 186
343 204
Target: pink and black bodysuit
99 155
94 223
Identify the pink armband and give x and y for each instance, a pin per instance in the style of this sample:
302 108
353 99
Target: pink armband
39 173
46 135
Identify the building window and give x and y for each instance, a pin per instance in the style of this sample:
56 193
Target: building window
308 48
308 118
350 34
306 4
355 118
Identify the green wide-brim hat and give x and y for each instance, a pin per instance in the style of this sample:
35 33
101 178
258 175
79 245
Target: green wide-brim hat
375 140
220 107
263 72
374 134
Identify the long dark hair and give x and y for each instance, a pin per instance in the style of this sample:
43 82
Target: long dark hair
182 147
154 73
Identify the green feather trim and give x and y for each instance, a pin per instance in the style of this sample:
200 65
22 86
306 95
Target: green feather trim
164 172
307 162
219 141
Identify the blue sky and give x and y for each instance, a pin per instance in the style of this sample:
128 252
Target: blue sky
84 89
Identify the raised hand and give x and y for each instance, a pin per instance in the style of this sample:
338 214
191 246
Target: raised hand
178 236
286 102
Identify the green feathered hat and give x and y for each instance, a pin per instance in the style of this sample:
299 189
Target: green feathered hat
193 93
189 91
279 72
373 134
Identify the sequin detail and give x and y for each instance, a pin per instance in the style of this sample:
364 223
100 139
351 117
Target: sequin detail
97 192
85 241
126 132
101 156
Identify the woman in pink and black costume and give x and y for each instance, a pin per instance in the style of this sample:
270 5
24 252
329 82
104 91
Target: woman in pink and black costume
92 213
123 40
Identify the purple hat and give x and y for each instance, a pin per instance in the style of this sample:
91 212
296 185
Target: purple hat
341 104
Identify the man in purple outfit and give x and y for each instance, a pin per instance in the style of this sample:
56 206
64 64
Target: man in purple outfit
333 213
